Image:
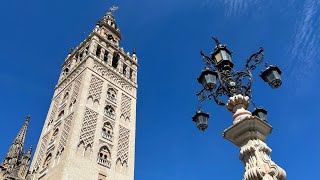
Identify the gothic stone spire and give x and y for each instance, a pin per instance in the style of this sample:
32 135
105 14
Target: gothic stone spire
15 152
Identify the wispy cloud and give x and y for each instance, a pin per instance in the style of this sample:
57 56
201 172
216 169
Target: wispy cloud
235 7
305 50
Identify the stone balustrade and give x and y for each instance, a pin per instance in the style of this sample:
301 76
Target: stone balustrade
107 136
110 115
104 162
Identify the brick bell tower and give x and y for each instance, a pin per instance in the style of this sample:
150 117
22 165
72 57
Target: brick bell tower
89 132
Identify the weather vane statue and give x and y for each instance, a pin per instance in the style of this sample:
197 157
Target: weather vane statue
113 8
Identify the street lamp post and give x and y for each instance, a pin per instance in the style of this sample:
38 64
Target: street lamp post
249 130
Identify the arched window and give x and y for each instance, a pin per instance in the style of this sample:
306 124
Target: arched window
81 148
107 131
66 71
115 60
124 70
47 161
55 133
72 105
60 116
65 98
131 72
105 57
109 111
108 128
53 138
104 156
98 51
110 37
112 94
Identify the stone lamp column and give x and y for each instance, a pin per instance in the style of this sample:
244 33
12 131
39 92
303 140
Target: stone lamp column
249 133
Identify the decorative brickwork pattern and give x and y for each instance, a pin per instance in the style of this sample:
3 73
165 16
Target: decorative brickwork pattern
125 107
95 87
112 76
68 88
88 127
123 144
54 109
65 81
76 88
65 132
43 146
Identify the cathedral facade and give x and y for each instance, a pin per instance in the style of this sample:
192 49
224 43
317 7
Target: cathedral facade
89 131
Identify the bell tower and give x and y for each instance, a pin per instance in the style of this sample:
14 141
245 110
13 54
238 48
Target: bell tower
89 131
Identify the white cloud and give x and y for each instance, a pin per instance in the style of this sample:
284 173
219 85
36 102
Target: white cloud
305 51
235 7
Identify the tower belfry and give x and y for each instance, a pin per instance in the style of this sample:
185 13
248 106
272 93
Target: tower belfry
89 132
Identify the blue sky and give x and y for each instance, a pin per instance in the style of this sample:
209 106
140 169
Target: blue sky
37 35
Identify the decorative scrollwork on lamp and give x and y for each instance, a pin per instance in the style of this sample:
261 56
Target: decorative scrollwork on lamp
219 79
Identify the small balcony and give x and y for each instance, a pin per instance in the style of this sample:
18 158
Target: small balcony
107 136
110 115
104 162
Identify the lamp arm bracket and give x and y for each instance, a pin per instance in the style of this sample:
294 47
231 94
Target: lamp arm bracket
256 58
219 92
201 96
241 75
207 60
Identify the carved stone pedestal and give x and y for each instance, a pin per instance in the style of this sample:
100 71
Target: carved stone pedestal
249 133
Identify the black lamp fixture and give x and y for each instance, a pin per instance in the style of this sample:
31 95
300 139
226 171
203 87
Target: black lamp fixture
208 79
219 79
221 55
260 113
201 120
272 75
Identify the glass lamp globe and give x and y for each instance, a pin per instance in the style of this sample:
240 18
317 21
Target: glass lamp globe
201 120
208 78
272 75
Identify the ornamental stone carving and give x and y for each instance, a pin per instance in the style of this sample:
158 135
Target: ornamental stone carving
238 104
250 134
259 166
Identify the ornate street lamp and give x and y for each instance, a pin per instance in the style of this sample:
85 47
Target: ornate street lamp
201 120
221 55
208 79
272 75
249 130
260 112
